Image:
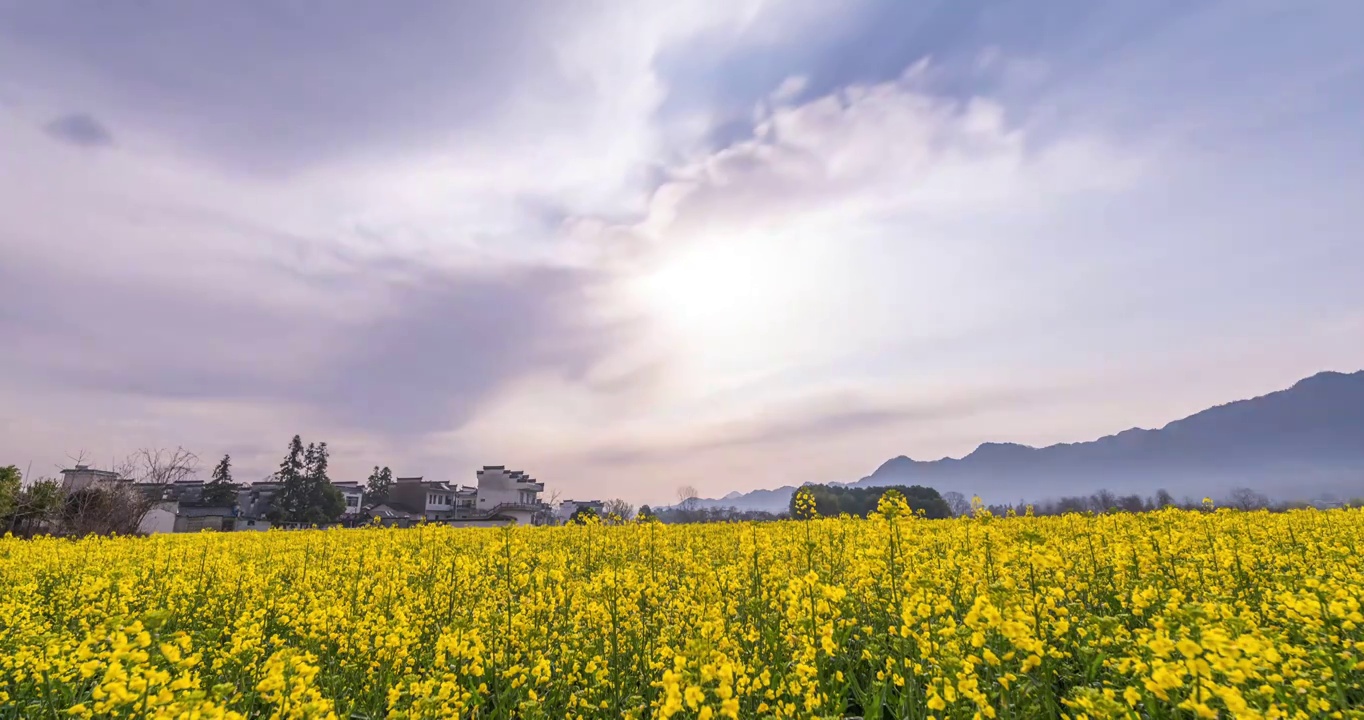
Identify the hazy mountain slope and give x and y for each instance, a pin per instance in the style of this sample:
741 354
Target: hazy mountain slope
1294 443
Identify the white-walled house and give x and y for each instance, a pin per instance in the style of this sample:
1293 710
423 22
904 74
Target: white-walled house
83 476
160 519
435 500
568 507
179 506
353 493
501 497
498 486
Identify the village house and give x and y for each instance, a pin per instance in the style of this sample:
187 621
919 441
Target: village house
566 508
83 476
501 497
389 516
173 507
353 493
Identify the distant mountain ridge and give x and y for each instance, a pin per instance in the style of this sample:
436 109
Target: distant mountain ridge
1296 443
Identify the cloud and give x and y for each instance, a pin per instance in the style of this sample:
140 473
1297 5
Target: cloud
311 85
825 416
436 345
861 223
448 342
276 92
80 129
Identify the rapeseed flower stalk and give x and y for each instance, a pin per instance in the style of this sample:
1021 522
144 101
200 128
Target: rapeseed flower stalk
1171 614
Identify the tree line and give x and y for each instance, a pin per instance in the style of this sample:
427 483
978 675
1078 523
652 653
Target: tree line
834 500
43 506
305 495
1105 501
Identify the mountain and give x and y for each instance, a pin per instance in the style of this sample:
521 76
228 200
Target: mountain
1297 443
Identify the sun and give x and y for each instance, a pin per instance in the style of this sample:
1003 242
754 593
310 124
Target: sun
738 306
711 291
699 287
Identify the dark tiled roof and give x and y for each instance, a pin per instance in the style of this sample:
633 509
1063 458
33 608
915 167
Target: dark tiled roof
215 511
386 511
92 471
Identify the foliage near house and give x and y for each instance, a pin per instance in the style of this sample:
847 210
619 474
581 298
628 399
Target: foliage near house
11 485
306 494
584 515
220 490
379 483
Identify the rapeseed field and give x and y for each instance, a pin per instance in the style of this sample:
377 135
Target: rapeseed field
1171 614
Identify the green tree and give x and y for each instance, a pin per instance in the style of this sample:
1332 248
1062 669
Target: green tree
11 487
291 500
292 467
833 500
306 494
583 515
376 489
220 490
38 504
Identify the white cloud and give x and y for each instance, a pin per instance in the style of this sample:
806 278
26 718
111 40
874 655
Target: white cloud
851 222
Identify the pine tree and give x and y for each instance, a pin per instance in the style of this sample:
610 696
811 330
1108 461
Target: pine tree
326 503
376 489
309 460
292 467
306 494
292 499
316 464
220 490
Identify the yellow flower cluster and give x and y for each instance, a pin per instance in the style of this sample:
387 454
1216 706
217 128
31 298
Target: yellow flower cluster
1173 614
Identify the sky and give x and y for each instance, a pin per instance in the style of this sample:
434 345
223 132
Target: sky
631 246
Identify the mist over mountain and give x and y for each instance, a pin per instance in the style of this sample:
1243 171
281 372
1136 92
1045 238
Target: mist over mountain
1299 443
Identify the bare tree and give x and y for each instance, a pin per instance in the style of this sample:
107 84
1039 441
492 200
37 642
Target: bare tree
160 466
687 496
957 503
1131 504
688 503
119 507
103 509
619 508
1163 499
1103 501
1247 499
